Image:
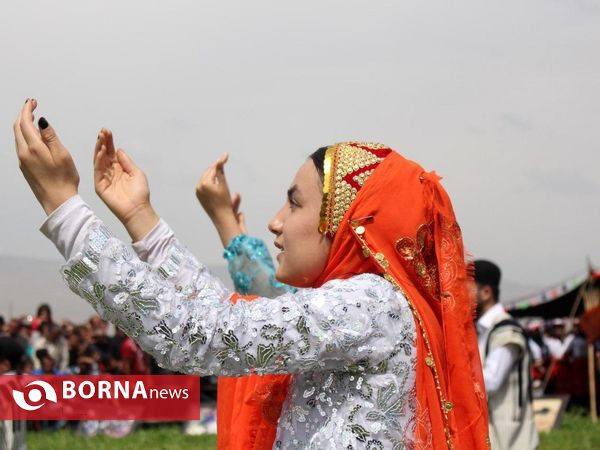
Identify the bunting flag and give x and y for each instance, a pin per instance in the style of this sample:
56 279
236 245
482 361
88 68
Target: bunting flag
550 294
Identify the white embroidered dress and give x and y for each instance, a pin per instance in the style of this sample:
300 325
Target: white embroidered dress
350 344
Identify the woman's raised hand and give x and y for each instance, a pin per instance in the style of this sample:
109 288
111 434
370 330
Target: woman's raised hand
236 201
213 193
123 187
45 162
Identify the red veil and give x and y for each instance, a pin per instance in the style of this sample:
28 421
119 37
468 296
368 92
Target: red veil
388 216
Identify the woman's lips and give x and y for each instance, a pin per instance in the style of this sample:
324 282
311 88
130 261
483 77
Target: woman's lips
279 247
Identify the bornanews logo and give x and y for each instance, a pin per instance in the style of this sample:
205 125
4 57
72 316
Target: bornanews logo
101 397
34 396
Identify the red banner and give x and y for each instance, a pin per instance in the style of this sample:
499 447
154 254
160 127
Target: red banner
100 397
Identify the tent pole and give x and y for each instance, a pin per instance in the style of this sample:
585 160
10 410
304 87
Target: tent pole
589 304
592 379
577 302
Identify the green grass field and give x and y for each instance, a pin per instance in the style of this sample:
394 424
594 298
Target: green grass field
166 437
576 433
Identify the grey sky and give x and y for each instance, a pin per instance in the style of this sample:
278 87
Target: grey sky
500 98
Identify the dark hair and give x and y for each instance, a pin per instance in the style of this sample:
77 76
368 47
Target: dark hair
318 158
489 274
44 307
11 351
41 354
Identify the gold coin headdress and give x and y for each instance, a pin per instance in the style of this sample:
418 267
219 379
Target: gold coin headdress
346 168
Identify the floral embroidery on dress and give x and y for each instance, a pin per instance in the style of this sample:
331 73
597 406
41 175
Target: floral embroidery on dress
452 253
350 343
420 253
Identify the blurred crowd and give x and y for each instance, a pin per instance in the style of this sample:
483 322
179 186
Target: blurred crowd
558 349
92 347
39 345
559 354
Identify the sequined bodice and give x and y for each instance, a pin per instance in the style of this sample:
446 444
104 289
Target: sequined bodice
350 343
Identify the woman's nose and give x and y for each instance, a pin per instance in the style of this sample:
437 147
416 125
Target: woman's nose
276 224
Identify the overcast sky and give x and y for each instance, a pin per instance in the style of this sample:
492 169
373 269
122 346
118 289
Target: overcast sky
500 98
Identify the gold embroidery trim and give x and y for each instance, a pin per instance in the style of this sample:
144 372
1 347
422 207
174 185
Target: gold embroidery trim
419 253
327 168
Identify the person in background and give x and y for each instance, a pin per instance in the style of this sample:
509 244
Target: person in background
567 376
506 363
48 367
52 340
556 338
44 314
17 330
47 363
540 355
12 432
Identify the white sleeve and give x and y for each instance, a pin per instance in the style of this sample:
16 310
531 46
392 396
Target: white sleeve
67 225
498 365
154 247
195 328
535 349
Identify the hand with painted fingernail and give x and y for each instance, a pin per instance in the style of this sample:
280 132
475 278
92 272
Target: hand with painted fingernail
44 161
123 187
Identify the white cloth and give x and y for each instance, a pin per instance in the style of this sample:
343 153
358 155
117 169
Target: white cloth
350 343
499 362
154 247
535 349
556 346
58 350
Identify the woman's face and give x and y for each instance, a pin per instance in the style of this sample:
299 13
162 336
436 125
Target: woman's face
303 250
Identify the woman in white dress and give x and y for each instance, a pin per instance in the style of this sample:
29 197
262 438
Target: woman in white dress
377 346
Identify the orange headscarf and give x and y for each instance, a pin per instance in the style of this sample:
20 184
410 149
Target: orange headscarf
388 216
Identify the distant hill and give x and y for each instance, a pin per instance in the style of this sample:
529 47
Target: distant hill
26 282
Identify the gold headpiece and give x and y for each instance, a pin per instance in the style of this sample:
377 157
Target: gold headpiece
347 167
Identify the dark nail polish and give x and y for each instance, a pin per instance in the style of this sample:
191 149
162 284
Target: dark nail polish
26 100
43 123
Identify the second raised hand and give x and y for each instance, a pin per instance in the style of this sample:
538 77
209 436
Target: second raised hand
213 193
123 187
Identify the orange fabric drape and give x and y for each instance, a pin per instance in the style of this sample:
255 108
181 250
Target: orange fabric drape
413 239
248 407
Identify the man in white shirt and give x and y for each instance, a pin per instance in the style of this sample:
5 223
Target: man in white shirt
556 338
506 366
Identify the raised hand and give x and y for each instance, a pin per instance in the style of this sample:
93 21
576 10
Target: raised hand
123 187
213 193
236 201
45 162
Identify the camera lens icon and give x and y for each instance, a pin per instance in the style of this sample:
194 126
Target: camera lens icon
35 395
